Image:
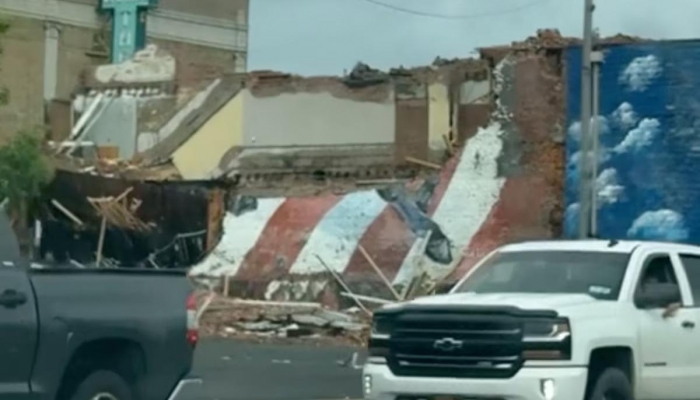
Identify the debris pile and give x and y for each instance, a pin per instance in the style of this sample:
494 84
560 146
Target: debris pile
553 39
277 321
363 75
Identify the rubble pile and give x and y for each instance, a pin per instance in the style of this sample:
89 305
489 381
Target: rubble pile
363 75
553 39
272 321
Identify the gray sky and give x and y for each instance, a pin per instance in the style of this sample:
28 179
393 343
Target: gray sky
324 37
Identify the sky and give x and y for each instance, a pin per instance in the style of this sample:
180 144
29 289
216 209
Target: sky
328 37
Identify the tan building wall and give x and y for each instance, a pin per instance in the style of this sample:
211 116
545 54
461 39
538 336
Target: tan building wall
316 119
439 116
202 153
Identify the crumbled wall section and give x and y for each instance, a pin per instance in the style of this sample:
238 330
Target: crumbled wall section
268 84
197 64
540 116
412 121
532 110
503 185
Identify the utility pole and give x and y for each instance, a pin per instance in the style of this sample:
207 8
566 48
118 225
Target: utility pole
596 61
586 104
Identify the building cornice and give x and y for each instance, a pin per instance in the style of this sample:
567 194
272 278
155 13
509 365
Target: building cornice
162 24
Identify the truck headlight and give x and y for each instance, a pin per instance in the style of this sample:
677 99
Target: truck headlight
381 327
546 330
547 340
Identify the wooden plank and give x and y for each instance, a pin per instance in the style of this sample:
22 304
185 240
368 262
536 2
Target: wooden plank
67 212
423 163
379 272
101 240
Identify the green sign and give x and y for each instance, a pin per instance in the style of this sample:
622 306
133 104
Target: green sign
128 26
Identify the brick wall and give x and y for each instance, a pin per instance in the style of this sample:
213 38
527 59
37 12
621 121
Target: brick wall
531 163
197 64
22 65
411 129
76 51
227 9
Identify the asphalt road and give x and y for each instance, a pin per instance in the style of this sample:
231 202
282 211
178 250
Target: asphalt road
233 370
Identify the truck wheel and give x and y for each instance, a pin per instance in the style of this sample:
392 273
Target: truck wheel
103 385
611 384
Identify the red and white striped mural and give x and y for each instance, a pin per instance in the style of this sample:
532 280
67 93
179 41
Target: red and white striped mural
278 243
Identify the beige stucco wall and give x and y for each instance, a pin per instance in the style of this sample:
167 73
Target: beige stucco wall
201 154
438 115
475 92
316 119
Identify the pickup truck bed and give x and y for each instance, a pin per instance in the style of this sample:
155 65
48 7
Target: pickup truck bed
58 327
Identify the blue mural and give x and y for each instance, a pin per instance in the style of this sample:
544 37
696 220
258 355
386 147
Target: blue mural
648 185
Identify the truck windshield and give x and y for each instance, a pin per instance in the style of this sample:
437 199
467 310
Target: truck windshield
598 274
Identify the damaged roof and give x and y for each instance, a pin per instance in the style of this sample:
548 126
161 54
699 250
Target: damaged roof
227 88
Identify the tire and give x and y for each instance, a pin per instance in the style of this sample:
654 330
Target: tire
611 384
107 383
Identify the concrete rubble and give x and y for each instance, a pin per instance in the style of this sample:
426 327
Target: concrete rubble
261 321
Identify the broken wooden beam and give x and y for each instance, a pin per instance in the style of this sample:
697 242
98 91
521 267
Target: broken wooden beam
379 272
101 241
423 163
344 285
368 299
67 212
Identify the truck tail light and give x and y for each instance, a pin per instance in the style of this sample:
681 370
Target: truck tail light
192 323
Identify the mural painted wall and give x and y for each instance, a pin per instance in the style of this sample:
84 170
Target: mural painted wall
276 242
648 186
504 184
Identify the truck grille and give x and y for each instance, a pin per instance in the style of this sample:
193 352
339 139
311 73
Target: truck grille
459 345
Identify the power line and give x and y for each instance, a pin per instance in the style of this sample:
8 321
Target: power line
446 16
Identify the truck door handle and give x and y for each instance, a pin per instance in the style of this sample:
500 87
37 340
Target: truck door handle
688 324
12 298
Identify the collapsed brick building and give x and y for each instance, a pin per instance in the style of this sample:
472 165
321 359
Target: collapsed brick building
51 41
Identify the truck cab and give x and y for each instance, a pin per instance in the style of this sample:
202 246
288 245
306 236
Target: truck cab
549 320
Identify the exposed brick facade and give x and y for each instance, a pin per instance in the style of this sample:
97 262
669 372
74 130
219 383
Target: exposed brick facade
22 66
197 64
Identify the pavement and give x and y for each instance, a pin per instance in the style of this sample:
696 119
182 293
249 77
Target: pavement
234 370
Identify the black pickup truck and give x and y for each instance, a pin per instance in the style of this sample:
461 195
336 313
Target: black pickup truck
82 334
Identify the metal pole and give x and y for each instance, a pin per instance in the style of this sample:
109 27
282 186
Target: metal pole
595 132
584 171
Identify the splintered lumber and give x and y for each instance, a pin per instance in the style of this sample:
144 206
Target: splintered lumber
367 182
343 284
379 272
118 211
66 212
368 299
124 194
423 163
295 304
101 241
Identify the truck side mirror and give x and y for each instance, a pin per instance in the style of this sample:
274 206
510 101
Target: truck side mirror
657 295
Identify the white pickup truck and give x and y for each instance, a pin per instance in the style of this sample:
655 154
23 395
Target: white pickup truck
551 320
